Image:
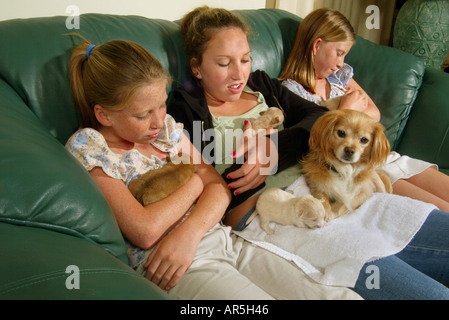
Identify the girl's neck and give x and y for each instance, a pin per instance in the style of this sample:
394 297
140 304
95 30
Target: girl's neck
121 146
115 143
232 109
322 88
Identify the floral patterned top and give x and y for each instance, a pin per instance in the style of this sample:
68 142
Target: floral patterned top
89 147
338 81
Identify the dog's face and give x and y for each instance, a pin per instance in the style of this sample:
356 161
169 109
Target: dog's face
350 137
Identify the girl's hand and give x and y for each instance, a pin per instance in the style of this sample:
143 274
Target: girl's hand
261 157
170 259
174 253
355 100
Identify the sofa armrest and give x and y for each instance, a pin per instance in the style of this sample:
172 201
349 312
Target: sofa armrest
43 186
35 265
426 135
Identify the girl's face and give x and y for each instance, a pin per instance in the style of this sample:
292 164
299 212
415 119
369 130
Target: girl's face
329 56
142 121
225 67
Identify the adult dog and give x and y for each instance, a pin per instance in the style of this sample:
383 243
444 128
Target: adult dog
341 169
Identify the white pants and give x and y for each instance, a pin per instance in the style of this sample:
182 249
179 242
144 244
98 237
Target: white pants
227 267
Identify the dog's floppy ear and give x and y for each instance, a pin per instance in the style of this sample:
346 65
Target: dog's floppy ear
381 146
322 131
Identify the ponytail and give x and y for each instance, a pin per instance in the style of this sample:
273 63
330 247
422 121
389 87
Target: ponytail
110 75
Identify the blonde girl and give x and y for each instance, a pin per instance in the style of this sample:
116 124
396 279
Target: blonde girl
120 90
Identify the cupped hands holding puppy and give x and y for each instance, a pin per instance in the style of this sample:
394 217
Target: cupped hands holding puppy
355 99
261 158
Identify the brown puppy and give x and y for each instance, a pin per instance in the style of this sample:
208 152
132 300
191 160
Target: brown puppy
346 148
270 118
159 183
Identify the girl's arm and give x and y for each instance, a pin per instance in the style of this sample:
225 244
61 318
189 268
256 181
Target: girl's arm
146 226
175 252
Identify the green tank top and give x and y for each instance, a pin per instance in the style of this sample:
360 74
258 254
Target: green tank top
229 131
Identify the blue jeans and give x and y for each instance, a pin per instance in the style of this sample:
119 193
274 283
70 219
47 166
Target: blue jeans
414 273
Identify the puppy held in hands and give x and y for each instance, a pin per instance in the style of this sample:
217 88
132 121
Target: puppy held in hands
334 103
341 169
159 183
282 207
271 118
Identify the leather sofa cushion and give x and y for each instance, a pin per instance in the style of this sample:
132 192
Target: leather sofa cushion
391 78
429 130
100 277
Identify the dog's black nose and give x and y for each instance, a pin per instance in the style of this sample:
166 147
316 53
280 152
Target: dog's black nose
349 151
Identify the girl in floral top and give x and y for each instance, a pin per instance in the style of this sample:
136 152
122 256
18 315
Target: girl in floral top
315 70
120 90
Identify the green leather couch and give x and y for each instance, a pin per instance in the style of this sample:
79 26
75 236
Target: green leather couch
52 214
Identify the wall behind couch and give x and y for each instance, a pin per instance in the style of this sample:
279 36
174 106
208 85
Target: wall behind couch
163 9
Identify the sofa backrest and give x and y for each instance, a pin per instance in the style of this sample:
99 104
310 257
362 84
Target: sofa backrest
35 54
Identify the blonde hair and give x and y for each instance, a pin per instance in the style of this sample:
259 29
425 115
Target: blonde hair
327 24
200 25
110 75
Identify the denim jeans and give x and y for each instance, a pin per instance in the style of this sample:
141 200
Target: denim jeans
414 273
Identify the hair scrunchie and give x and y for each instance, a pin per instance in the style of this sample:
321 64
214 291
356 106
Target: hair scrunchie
89 49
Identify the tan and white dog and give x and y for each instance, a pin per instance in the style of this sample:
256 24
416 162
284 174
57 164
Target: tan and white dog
341 169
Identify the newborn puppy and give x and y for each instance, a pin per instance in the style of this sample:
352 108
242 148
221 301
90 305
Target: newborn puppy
159 183
282 207
331 104
270 118
334 103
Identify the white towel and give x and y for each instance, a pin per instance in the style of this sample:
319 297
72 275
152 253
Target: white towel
335 254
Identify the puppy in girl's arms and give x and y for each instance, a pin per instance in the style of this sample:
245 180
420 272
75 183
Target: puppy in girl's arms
334 103
341 169
158 184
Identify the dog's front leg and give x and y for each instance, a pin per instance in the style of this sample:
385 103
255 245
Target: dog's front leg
325 201
385 183
339 209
